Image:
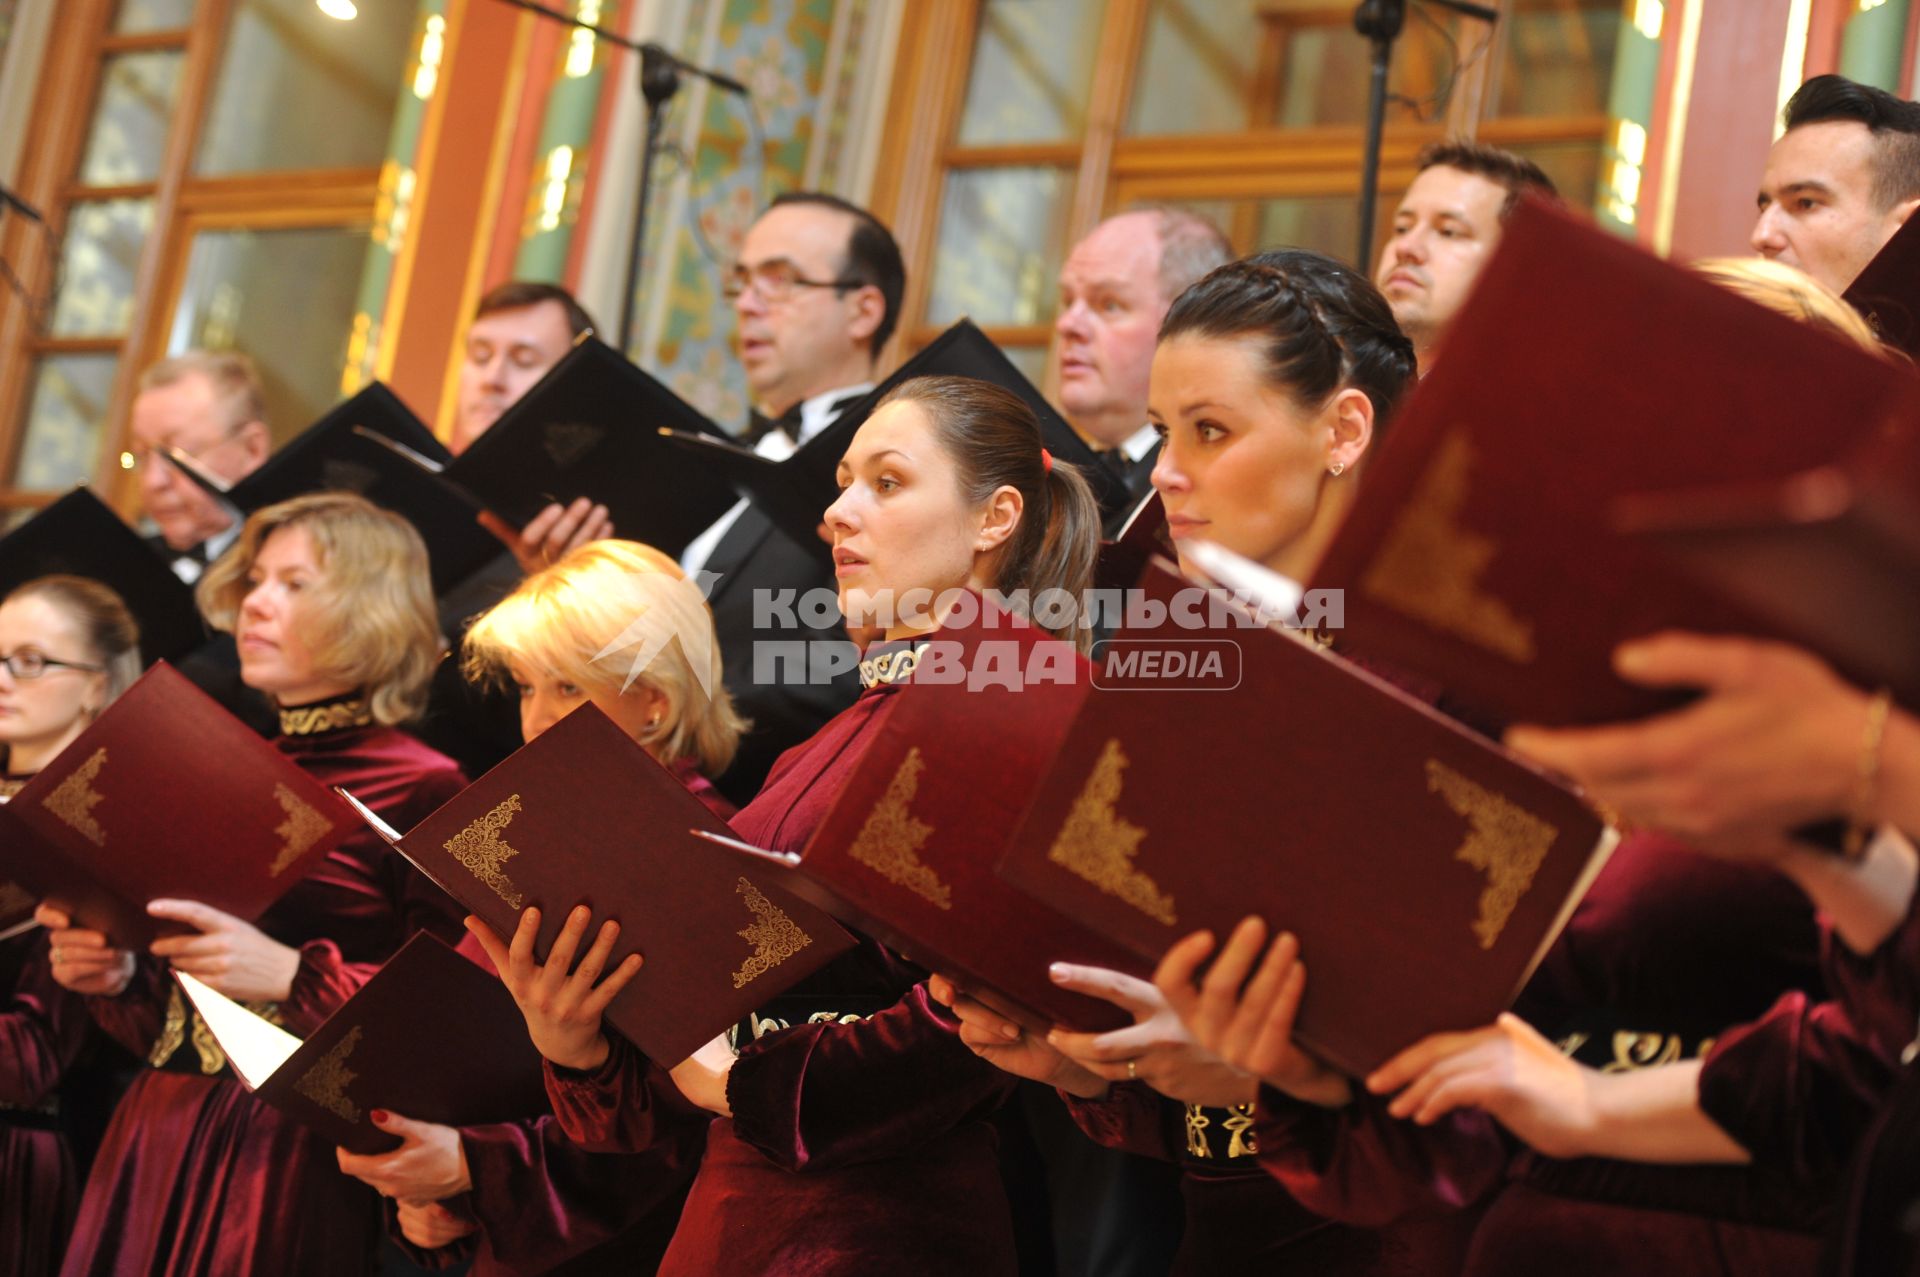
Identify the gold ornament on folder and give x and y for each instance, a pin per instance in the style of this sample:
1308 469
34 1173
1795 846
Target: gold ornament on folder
1099 846
566 442
774 936
14 898
481 849
1429 566
1504 842
326 1080
74 799
890 841
302 828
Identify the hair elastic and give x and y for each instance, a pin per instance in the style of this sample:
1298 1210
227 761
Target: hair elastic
1046 461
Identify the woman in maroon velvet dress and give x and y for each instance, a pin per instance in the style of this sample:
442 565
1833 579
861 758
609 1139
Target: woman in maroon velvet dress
1669 951
1272 379
328 600
519 1197
847 1129
67 647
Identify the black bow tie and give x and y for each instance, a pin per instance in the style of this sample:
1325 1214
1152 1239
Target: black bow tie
787 423
194 554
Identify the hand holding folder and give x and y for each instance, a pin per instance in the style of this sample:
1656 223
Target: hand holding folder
582 815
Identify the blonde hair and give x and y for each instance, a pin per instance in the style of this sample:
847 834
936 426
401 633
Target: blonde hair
564 617
234 378
102 619
1788 291
373 625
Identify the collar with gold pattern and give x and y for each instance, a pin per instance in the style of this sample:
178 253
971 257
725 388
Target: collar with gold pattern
327 716
891 661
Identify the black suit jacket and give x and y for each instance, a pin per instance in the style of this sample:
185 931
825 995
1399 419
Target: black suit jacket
755 556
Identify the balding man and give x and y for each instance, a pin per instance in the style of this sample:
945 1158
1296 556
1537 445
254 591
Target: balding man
1115 289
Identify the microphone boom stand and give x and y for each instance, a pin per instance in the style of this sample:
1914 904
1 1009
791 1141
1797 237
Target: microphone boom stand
1380 22
660 73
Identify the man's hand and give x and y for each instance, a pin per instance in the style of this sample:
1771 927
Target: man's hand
552 534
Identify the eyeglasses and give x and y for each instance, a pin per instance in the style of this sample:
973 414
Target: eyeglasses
775 282
27 664
137 456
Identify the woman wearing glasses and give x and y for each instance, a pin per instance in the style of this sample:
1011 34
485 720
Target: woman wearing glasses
328 598
67 648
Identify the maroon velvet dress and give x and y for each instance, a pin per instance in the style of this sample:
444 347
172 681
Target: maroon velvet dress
195 1177
859 1141
1667 952
545 1205
42 1031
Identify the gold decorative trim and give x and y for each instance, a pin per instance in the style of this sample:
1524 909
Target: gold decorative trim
1096 844
182 1025
74 799
1504 841
889 842
334 716
11 785
774 936
302 828
480 848
1429 567
894 666
326 1080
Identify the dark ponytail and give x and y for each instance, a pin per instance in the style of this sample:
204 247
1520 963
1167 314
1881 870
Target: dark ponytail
1326 327
994 438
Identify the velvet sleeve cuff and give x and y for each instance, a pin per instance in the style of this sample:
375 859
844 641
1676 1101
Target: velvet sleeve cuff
1360 1166
1797 1088
1128 1117
823 1095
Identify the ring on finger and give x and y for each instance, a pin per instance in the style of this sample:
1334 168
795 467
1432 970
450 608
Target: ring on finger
1133 1070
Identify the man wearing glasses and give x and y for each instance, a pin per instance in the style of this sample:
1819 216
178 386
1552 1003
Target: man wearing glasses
816 294
206 404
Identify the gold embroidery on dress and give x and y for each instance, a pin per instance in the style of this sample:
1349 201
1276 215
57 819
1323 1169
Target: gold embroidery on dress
481 849
1197 1124
1429 567
891 839
1096 844
890 667
74 799
11 785
1643 1051
326 1080
773 935
1504 842
183 1024
334 716
1239 1123
302 828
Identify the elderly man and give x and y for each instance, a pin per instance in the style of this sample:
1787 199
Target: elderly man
206 405
1114 290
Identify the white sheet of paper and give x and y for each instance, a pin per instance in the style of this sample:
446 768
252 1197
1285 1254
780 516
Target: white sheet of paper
1273 594
367 814
255 1047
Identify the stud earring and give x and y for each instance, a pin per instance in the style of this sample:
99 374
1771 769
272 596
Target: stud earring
1337 469
653 722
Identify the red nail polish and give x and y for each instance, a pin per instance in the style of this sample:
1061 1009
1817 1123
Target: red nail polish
380 1116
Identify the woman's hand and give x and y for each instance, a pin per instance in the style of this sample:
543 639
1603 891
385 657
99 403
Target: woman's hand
1006 1045
83 961
1156 1049
1249 1024
702 1076
1529 1085
429 1165
1773 744
228 956
429 1225
563 1011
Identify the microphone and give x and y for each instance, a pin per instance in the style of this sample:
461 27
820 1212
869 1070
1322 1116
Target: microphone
20 206
647 49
